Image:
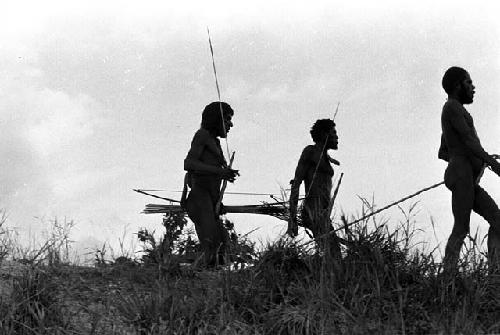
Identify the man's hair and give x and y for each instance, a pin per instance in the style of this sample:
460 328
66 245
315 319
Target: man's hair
211 118
452 77
321 127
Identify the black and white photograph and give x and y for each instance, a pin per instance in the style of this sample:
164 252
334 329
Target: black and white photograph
249 167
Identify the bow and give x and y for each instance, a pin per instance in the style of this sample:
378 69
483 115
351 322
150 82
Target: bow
154 196
223 188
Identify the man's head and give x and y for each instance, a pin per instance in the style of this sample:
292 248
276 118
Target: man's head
458 84
211 118
324 130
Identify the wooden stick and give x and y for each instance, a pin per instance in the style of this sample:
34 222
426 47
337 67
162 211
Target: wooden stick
332 200
223 188
155 196
346 225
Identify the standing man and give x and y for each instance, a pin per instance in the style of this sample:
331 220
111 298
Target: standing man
206 168
315 170
461 148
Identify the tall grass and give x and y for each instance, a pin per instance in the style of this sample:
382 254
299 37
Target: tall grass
30 301
6 237
388 283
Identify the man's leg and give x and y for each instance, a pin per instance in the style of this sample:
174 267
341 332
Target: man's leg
201 212
322 228
332 241
462 199
221 238
485 206
329 243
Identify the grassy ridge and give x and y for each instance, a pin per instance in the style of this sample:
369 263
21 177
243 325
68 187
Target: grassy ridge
385 285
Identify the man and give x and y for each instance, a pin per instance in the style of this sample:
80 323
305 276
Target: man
207 168
461 148
315 170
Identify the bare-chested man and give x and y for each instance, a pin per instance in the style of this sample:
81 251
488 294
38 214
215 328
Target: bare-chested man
315 170
207 168
466 158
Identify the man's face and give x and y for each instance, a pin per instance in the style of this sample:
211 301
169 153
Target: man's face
466 92
332 139
227 125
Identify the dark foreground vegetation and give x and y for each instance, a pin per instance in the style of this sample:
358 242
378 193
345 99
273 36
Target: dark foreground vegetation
388 285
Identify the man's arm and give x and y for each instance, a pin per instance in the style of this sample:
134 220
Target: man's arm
193 161
470 139
443 150
300 174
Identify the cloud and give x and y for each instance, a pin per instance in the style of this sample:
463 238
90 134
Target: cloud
59 121
44 132
98 99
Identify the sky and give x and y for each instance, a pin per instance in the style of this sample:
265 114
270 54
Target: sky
102 97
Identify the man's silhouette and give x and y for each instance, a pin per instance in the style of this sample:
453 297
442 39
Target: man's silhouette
461 148
315 170
207 168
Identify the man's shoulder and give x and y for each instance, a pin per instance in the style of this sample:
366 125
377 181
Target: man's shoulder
202 135
309 153
308 150
452 108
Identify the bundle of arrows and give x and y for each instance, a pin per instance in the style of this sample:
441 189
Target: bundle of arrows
277 210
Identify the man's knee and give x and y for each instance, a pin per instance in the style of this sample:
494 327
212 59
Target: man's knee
485 206
459 233
494 230
495 222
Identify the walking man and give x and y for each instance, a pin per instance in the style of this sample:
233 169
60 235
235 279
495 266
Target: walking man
315 170
206 168
461 148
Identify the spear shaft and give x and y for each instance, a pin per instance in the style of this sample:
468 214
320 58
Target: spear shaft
224 183
218 90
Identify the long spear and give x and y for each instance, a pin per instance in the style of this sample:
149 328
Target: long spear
218 90
224 183
375 212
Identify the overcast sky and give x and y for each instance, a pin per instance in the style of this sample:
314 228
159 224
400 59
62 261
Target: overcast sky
99 98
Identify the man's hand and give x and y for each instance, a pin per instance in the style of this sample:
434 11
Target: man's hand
229 174
293 228
495 166
222 209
